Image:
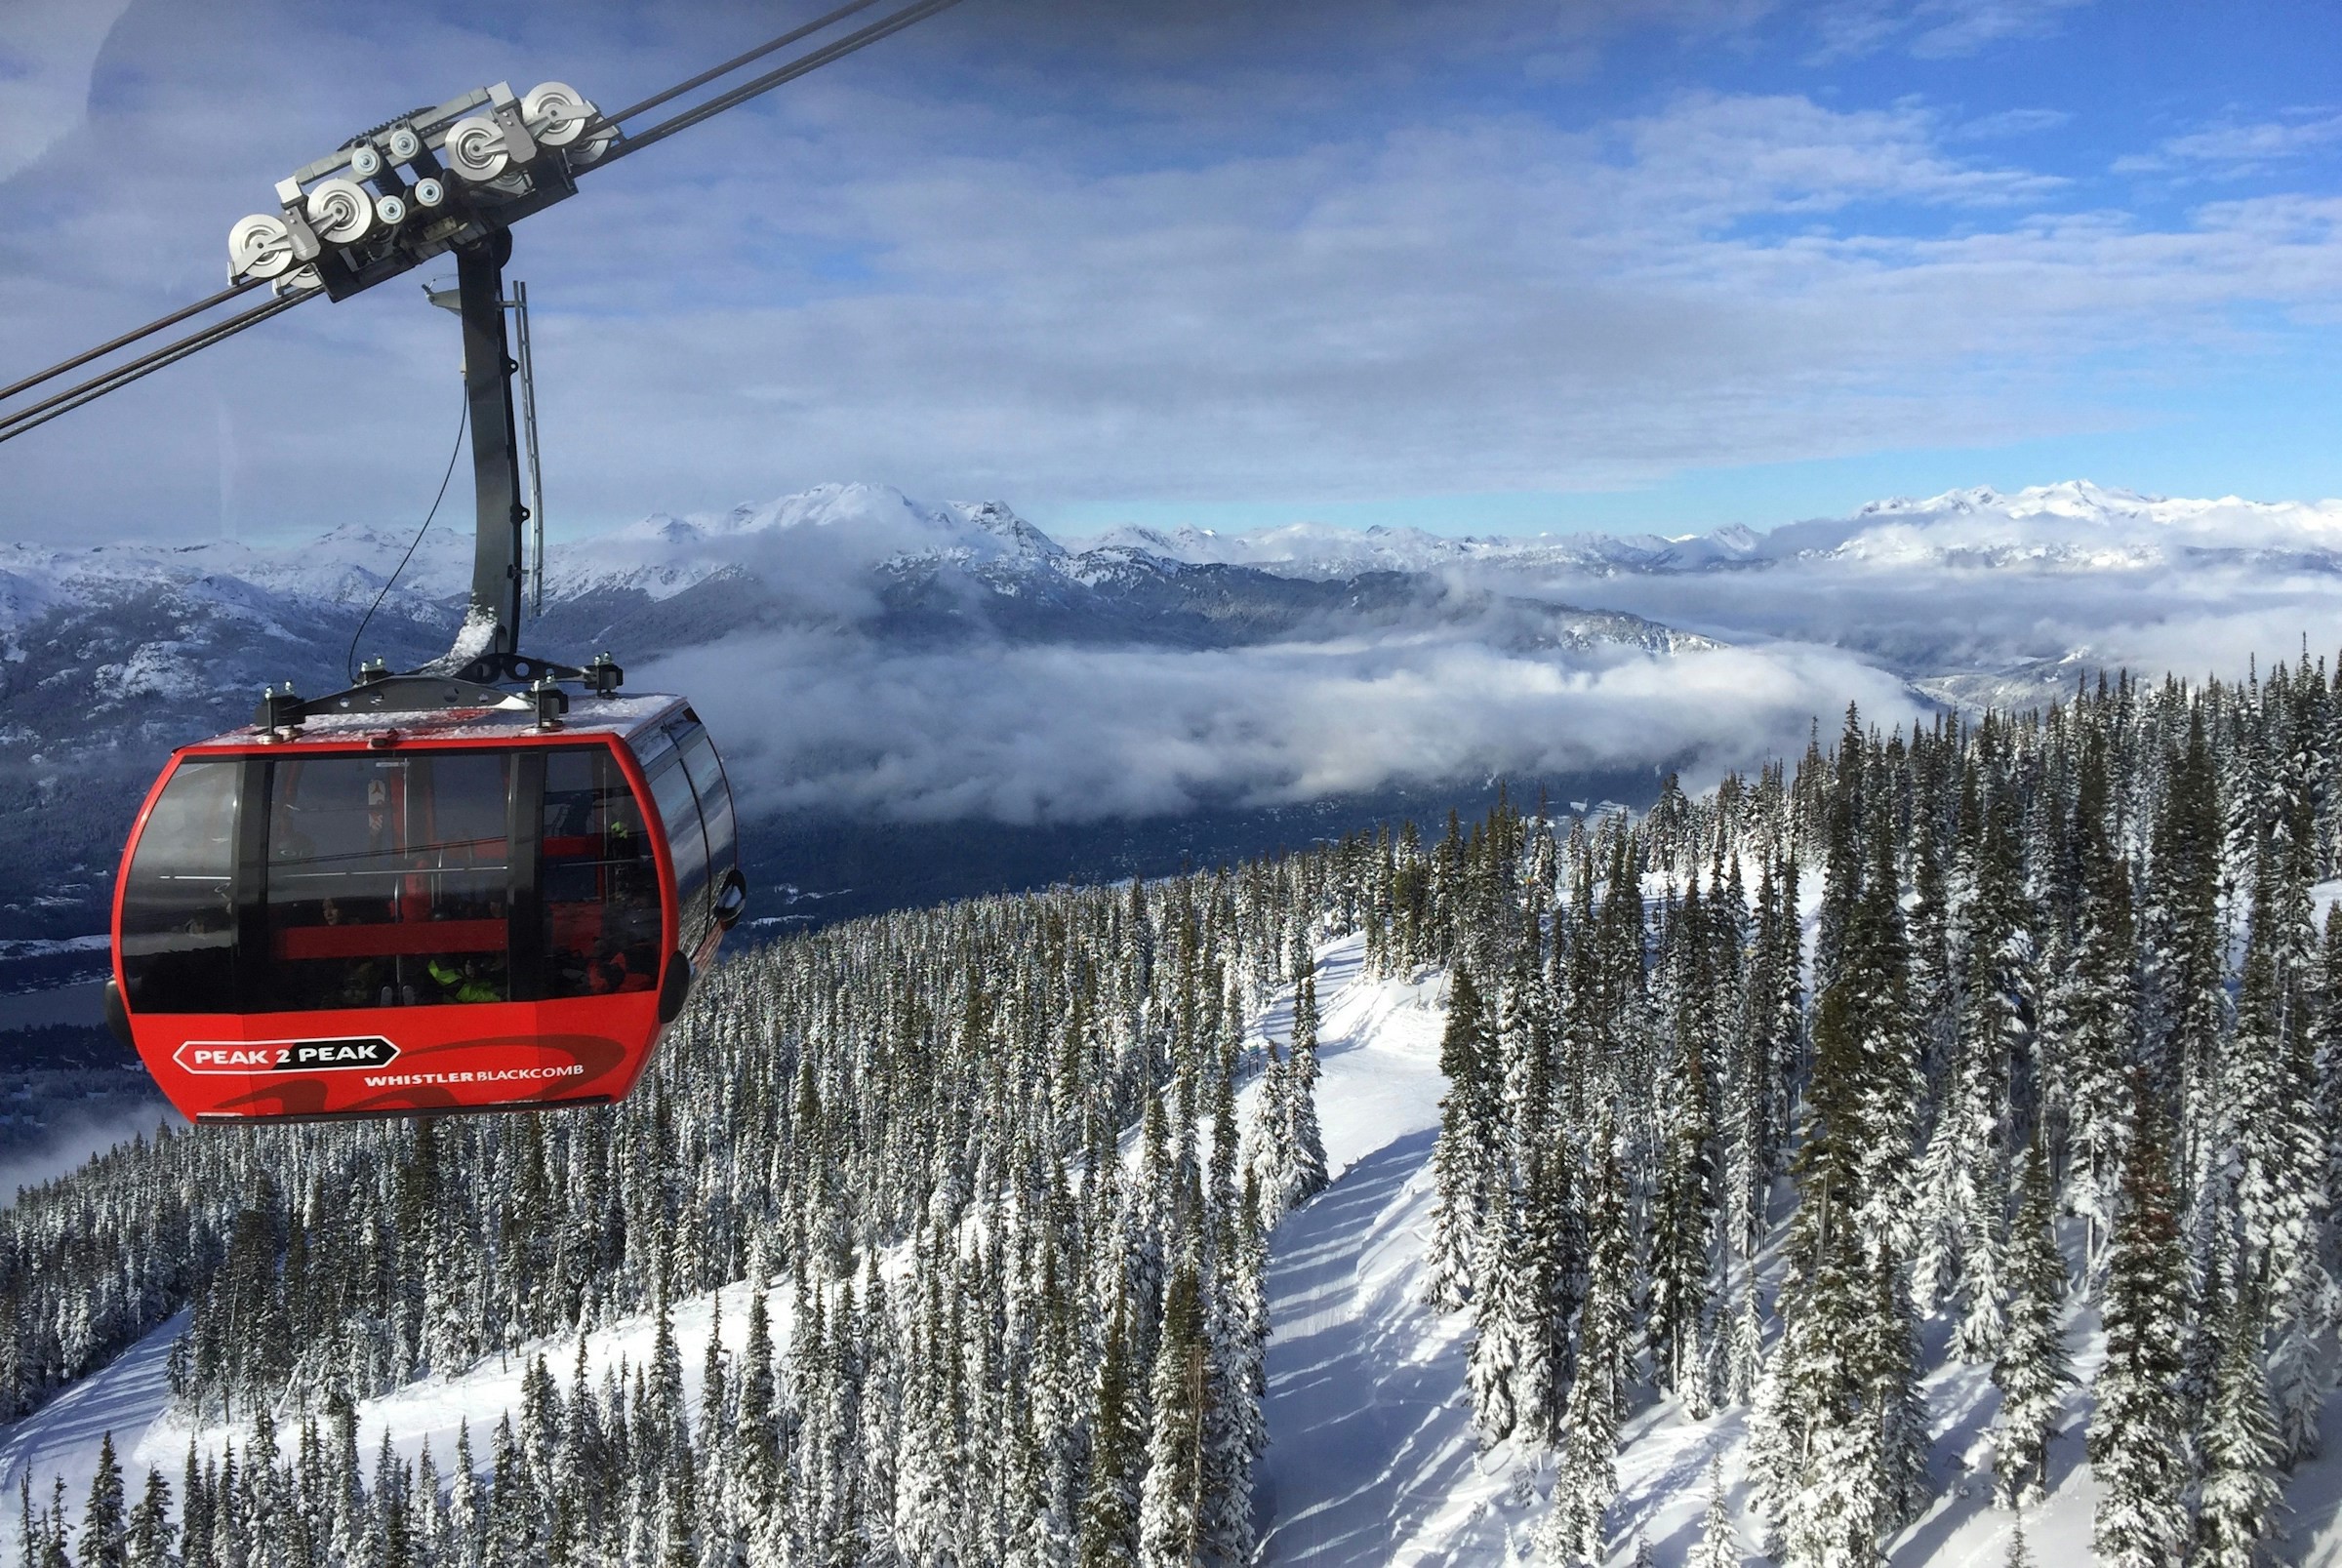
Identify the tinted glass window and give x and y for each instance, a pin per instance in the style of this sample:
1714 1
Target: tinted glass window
179 927
597 880
679 813
387 880
716 799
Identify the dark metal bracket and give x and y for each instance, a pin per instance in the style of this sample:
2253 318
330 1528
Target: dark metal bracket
482 683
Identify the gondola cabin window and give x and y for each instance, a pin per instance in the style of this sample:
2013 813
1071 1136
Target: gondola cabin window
178 917
389 879
599 883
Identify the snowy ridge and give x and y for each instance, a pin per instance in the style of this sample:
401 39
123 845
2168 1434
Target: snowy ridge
2073 525
2070 526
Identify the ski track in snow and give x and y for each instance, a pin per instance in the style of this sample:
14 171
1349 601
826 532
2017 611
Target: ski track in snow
63 1437
1372 1457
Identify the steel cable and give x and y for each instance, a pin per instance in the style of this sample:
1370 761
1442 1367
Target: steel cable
732 64
349 660
16 423
883 28
39 414
127 338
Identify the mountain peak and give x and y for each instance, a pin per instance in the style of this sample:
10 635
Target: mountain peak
995 518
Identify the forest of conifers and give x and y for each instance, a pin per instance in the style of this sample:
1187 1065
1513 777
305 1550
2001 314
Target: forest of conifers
1980 1021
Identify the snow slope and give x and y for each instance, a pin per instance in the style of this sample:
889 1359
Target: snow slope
1372 1458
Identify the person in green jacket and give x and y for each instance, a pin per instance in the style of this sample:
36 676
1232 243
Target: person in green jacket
460 984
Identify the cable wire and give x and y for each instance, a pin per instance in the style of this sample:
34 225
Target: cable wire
732 64
884 27
31 418
349 660
149 330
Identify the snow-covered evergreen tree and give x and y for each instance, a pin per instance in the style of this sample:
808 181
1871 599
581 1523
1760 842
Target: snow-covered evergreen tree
2237 1512
1467 1150
1719 1545
2138 1432
1171 1498
1499 1306
2033 1368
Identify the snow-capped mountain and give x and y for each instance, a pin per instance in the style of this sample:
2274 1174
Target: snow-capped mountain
108 625
2073 526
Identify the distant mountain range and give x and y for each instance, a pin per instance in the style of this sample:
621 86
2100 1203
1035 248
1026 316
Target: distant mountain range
111 654
2072 526
148 630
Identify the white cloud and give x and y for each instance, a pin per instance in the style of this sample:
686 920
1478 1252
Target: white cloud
1058 733
1931 29
2233 150
2014 123
1948 28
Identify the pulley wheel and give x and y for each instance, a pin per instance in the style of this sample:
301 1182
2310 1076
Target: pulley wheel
259 247
340 212
555 112
475 148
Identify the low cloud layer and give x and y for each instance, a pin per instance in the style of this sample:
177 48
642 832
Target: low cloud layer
1971 597
73 1141
1035 735
2186 619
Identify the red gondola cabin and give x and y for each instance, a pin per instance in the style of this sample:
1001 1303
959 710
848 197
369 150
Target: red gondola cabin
388 914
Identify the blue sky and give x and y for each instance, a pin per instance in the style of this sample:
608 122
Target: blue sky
1610 264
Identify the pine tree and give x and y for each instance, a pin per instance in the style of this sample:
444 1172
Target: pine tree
1574 1532
1684 1211
1110 1522
2032 1369
1719 1545
2138 1432
151 1536
1462 1157
105 1525
2240 1450
2096 1008
1552 1274
756 1437
1587 1477
1269 1165
1833 1449
2278 1151
1171 1499
1499 1306
1891 1397
1305 1140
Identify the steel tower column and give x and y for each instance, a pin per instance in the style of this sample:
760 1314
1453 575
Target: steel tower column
488 367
